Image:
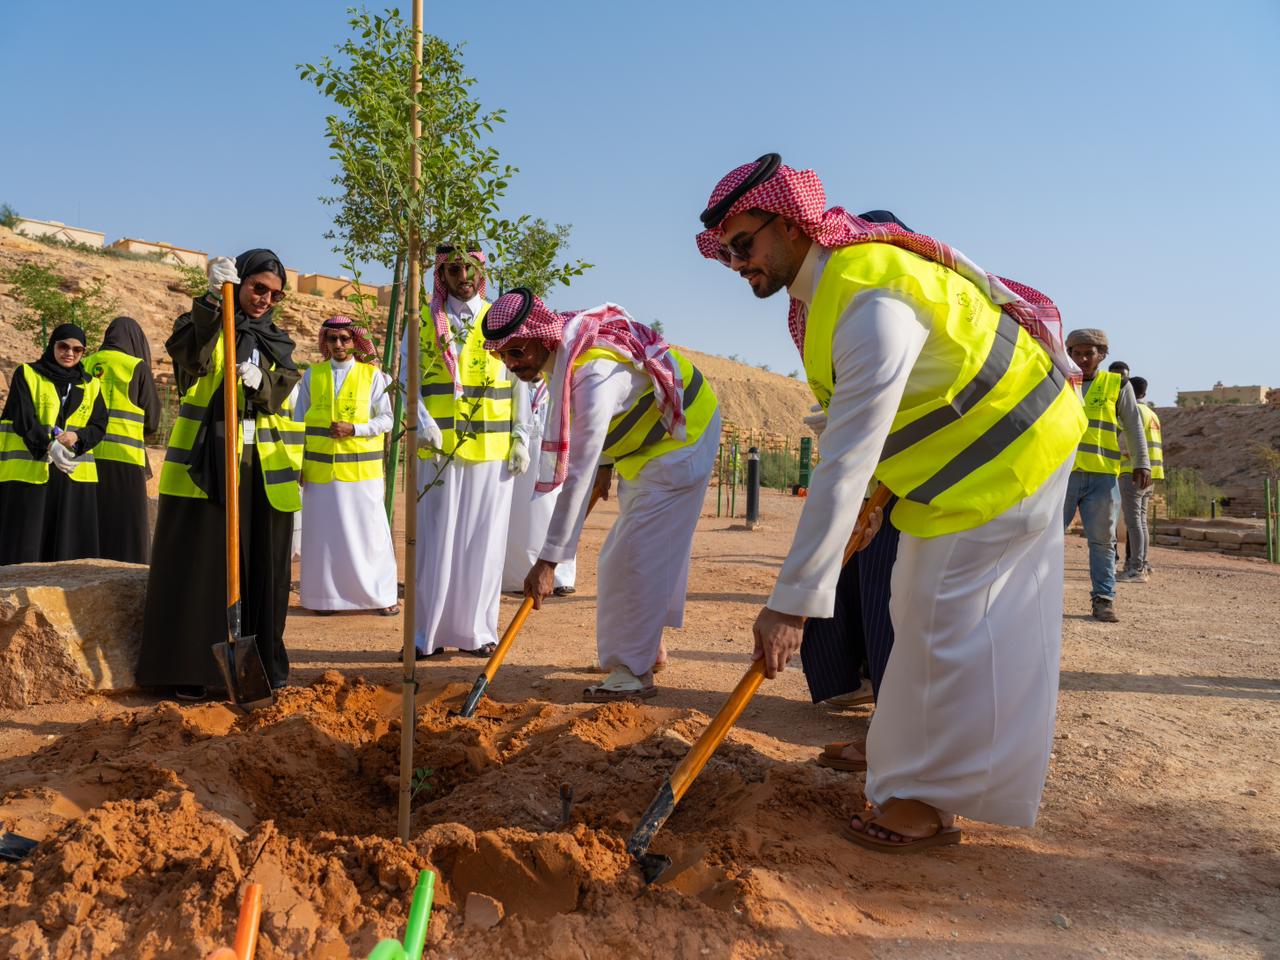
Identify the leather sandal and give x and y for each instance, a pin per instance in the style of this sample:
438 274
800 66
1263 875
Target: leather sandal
913 819
833 756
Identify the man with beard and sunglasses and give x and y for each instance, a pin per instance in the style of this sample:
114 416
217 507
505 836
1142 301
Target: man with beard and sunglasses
619 395
348 561
186 610
471 446
953 388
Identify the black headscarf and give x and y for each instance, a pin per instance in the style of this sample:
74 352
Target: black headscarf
125 335
272 342
51 369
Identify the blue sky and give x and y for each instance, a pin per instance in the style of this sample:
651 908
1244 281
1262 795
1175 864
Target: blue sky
1121 157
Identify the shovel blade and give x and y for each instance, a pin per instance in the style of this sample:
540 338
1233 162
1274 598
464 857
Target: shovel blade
243 672
473 698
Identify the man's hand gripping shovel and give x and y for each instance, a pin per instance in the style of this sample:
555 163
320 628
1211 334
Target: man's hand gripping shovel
500 652
237 657
654 865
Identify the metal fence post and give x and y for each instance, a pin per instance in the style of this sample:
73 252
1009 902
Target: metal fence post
753 488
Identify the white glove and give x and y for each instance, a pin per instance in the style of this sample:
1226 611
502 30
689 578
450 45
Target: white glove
62 458
221 270
250 374
429 435
817 419
518 459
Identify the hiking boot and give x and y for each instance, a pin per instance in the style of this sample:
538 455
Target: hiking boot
1104 610
1132 576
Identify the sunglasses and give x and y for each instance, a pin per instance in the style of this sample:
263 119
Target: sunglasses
511 353
69 346
339 337
260 289
740 247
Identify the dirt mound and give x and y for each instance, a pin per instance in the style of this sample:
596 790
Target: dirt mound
151 823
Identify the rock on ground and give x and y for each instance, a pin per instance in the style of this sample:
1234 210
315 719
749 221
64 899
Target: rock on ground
68 628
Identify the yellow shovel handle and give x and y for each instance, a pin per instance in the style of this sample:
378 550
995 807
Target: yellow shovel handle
508 638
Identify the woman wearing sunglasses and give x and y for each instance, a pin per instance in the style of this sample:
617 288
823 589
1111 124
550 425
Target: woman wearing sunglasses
53 418
186 594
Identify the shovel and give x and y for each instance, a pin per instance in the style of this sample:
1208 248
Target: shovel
415 933
654 865
495 659
246 943
237 658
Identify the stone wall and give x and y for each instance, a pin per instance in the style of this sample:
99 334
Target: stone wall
1247 538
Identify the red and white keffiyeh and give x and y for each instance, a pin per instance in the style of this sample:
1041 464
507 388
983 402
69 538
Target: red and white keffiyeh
570 334
363 347
799 196
439 309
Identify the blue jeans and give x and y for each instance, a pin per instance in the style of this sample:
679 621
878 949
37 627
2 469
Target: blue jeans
1097 495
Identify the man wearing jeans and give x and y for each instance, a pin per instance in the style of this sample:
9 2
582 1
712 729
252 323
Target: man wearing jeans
1094 488
1136 502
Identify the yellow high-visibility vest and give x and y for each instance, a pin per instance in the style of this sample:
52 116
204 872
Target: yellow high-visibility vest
484 409
965 450
636 435
347 458
16 462
1155 449
1099 448
124 441
278 436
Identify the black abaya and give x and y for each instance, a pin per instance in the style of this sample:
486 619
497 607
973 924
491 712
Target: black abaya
186 612
124 525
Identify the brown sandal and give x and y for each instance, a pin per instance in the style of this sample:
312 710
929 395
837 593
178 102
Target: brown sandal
833 756
913 819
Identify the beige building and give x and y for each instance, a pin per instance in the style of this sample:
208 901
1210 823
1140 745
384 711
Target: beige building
290 279
164 252
1223 394
59 231
333 288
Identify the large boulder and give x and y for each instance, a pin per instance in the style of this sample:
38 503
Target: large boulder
68 628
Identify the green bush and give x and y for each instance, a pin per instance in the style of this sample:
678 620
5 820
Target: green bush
1187 494
8 216
39 290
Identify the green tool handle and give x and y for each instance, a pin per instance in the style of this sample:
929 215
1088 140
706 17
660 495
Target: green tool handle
415 934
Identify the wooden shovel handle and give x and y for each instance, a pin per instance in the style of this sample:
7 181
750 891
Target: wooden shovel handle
860 539
232 435
706 744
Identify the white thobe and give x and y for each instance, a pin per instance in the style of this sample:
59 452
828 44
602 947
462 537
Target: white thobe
348 561
530 510
964 720
644 564
461 531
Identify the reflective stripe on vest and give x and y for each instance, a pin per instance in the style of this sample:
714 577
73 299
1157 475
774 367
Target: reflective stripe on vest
485 407
1155 447
278 437
348 458
964 450
123 441
1099 448
16 462
636 435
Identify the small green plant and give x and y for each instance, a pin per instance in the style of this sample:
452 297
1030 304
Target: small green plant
423 781
1187 494
8 216
194 281
39 290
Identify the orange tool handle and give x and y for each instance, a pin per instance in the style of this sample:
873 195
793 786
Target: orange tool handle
508 638
706 744
232 432
860 539
247 928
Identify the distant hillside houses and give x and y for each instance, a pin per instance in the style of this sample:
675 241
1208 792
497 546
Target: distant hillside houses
1251 395
313 284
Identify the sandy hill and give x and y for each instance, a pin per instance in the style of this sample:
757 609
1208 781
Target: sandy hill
1220 443
152 294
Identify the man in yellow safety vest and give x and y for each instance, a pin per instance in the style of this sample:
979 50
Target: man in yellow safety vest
471 446
1136 501
619 395
952 387
1094 488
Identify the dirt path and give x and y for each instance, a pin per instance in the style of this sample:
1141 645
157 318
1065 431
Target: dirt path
1157 837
